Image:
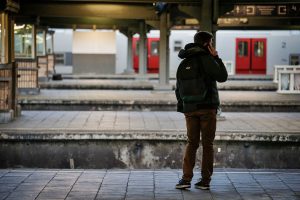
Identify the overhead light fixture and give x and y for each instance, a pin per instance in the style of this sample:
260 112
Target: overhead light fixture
74 27
17 27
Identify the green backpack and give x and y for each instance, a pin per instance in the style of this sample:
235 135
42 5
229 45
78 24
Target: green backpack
191 80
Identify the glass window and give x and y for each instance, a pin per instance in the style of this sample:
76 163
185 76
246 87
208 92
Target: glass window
155 48
243 49
59 59
285 82
294 59
297 82
40 43
49 44
177 45
259 49
24 41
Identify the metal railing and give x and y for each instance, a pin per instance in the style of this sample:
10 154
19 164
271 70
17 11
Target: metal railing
229 67
5 89
277 68
42 62
27 75
288 82
51 64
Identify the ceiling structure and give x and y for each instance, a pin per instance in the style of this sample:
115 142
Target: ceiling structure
183 14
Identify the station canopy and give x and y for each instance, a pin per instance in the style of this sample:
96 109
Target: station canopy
183 14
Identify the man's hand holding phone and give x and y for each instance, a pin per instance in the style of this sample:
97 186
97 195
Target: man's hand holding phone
212 50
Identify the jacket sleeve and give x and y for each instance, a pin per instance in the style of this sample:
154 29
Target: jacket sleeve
215 68
179 99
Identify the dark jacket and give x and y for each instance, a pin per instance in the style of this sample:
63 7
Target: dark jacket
211 68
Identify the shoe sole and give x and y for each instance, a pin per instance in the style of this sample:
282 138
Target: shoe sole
202 187
182 187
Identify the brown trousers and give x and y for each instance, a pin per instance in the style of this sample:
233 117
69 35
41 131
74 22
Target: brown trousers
203 121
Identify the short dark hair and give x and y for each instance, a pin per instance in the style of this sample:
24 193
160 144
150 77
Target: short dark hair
202 37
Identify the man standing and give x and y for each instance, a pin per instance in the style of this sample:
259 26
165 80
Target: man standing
198 98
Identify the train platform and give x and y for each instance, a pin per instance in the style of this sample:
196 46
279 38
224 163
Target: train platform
143 100
148 125
59 184
128 139
117 83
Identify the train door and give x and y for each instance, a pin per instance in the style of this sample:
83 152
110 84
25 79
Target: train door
153 55
135 54
251 55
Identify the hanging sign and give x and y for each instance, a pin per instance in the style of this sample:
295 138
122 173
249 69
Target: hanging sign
278 10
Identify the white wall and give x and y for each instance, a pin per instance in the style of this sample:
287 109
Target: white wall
63 39
121 57
94 42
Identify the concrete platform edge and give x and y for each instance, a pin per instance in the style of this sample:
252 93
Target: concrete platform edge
149 135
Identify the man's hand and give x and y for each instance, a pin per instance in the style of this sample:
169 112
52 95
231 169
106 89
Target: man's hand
212 50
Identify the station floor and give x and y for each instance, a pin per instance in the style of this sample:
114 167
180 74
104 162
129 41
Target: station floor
251 126
227 184
55 184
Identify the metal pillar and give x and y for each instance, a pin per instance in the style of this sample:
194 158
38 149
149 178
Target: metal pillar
206 16
215 20
129 68
33 49
11 59
164 53
142 50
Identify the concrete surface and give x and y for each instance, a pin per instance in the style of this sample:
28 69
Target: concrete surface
59 184
149 125
126 139
115 84
237 101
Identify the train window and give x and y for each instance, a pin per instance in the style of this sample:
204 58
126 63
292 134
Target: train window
177 45
243 49
295 59
259 49
154 47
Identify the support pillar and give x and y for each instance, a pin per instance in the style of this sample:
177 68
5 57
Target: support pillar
8 75
206 16
164 54
11 59
142 50
129 68
215 20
